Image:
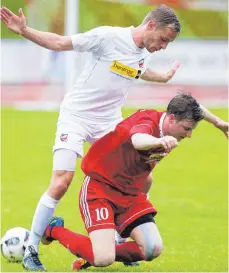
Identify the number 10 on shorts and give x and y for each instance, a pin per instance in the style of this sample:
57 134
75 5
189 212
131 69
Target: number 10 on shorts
101 214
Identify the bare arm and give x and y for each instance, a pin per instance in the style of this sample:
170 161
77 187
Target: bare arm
154 76
145 142
216 121
48 40
209 117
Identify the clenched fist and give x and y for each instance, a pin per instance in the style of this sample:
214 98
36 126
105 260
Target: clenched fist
168 143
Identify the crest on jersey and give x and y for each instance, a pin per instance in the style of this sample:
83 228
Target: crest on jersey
156 157
64 137
141 63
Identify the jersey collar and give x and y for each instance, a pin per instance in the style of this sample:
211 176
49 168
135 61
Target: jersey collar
161 123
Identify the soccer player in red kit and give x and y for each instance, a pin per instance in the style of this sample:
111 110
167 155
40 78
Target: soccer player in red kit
111 195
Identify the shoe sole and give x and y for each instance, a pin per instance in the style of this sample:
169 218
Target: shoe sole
37 270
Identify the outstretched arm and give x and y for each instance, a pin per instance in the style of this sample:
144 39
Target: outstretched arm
48 40
216 121
153 76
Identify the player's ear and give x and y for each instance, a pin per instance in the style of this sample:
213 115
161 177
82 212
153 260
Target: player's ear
151 25
172 118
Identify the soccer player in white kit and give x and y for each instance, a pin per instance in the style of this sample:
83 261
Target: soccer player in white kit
120 56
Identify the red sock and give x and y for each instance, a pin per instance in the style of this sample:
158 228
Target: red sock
78 244
128 252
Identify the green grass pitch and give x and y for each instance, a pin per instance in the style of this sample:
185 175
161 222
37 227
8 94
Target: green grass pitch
190 192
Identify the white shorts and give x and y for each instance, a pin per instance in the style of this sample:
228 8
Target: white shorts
73 131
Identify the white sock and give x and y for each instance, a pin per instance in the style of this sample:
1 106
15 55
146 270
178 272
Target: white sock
119 239
42 216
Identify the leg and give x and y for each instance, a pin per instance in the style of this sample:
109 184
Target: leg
139 214
148 239
120 240
147 246
98 216
60 181
63 171
145 189
98 249
103 246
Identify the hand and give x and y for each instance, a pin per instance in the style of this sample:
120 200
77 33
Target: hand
168 143
223 126
168 76
12 21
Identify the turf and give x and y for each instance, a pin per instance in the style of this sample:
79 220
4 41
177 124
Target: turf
190 192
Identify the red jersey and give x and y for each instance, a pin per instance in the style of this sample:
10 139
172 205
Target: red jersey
113 159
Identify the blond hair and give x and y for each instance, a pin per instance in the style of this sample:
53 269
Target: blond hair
163 16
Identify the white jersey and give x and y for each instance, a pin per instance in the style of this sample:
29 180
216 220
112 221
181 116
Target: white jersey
115 64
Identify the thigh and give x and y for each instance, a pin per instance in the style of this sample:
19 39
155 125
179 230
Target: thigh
103 246
96 211
149 240
146 234
64 160
71 133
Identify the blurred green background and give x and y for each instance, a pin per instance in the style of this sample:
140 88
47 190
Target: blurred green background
198 24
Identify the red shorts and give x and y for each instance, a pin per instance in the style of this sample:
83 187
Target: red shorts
103 206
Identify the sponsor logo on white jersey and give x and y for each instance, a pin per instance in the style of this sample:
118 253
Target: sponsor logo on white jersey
124 70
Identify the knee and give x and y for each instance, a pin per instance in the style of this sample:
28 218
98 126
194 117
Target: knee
104 260
153 250
60 182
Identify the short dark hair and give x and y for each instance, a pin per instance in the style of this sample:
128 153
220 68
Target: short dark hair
163 16
184 106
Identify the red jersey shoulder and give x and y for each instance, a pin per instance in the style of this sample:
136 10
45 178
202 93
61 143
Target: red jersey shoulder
153 115
142 121
142 115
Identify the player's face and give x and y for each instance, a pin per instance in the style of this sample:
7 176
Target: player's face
157 38
181 129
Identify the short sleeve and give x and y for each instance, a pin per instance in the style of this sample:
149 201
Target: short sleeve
142 129
143 124
91 41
